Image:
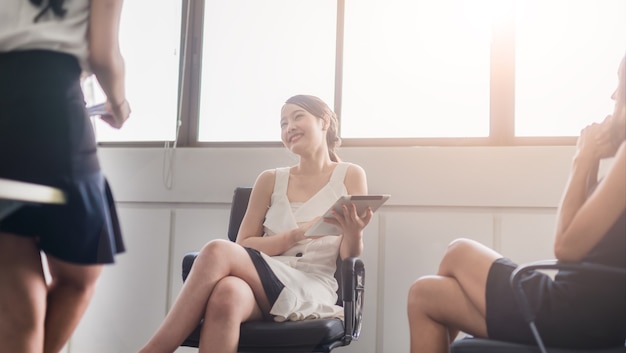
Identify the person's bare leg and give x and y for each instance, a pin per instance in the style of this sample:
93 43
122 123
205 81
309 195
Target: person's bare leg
468 262
22 295
216 260
231 303
69 294
439 306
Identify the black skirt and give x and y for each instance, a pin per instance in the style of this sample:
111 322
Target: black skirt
572 311
271 284
46 137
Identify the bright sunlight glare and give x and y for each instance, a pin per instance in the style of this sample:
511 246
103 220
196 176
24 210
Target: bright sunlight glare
422 67
567 53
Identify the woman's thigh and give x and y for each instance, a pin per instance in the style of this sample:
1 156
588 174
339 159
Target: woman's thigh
22 274
231 259
73 275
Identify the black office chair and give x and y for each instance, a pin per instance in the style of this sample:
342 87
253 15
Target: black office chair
316 335
483 345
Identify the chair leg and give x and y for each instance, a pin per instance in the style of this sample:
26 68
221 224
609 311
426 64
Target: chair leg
535 332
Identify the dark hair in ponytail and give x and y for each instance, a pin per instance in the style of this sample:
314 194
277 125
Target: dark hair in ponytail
55 5
320 109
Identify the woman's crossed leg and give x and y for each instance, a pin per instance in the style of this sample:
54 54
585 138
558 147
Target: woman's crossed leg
454 299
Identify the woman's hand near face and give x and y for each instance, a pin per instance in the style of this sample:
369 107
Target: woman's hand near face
596 141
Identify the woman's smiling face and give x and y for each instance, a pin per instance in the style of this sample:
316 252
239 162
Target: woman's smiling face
300 129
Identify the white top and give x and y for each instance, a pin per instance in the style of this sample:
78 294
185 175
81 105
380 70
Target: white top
68 34
307 269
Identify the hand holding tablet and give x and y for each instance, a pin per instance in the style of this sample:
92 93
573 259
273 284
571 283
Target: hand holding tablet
114 118
98 109
362 202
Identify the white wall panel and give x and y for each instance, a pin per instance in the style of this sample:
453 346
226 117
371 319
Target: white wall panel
199 175
129 302
414 242
528 236
426 176
192 229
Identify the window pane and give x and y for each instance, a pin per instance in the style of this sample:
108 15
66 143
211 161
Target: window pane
567 53
256 54
151 52
416 68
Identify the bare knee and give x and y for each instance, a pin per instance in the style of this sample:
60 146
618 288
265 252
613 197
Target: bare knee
215 250
420 293
216 257
457 254
461 246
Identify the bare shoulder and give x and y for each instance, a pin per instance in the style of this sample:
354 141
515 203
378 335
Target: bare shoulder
268 175
355 171
260 197
264 184
356 180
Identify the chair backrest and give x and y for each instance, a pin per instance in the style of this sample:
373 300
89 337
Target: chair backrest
241 197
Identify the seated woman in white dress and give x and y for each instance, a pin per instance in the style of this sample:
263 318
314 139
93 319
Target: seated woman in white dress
274 271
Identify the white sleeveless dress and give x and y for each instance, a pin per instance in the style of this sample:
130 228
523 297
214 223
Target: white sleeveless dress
307 269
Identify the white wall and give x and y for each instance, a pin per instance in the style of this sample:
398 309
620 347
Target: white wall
505 197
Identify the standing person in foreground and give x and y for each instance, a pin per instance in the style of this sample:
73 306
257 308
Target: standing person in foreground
274 271
46 138
471 291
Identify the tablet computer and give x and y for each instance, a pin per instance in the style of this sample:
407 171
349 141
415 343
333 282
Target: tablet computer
362 202
98 109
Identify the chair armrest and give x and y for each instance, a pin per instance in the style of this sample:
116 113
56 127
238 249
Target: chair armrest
518 291
188 260
353 288
517 275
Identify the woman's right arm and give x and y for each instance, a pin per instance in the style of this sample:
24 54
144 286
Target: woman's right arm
106 59
583 220
251 230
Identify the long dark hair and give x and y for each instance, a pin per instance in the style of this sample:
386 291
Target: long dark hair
319 109
55 5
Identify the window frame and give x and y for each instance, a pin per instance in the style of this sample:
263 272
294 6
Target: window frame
501 110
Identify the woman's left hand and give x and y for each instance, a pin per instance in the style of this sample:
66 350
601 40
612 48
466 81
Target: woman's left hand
596 140
119 113
351 222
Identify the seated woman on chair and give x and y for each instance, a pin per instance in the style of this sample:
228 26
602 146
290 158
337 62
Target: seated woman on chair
282 275
471 291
